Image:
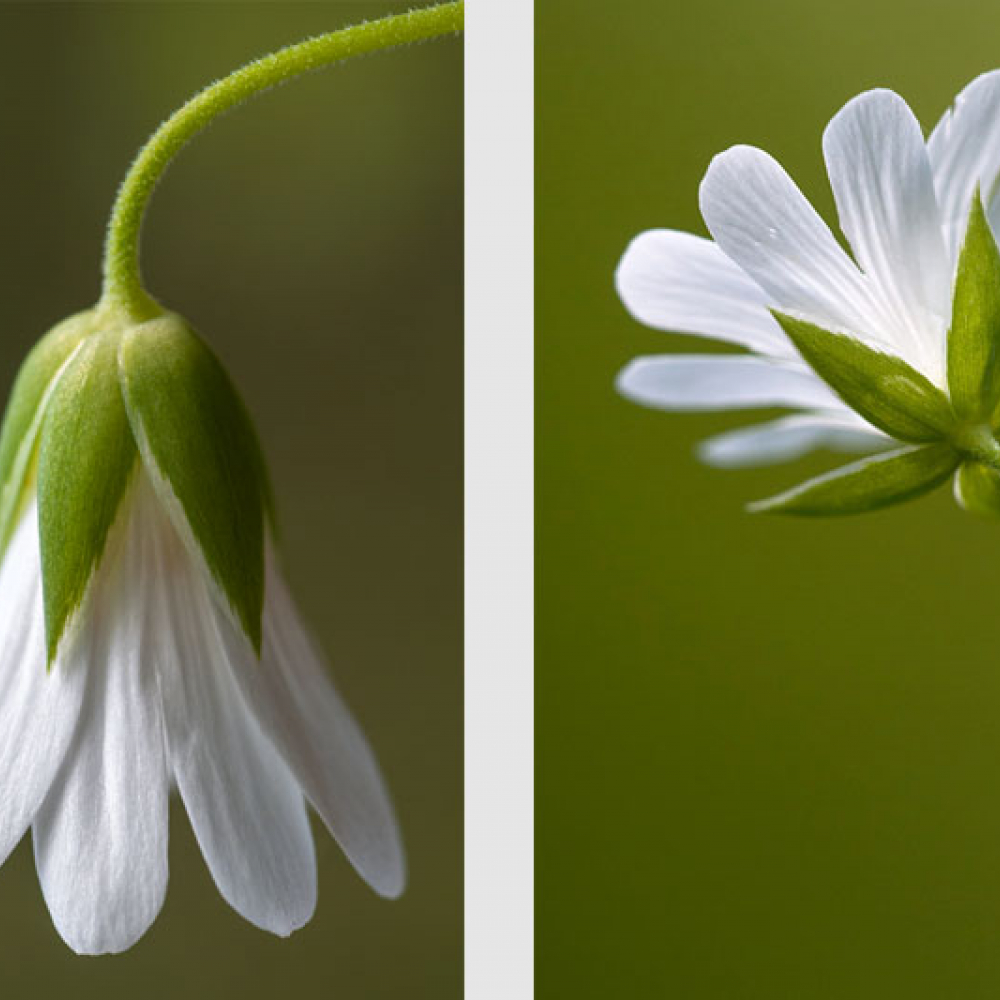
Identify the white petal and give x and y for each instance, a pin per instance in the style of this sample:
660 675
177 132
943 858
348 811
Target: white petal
245 806
882 183
101 834
301 711
791 437
679 282
764 223
722 382
38 708
964 151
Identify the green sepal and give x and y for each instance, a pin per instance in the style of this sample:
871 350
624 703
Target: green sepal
85 461
974 338
977 488
884 389
23 417
869 484
196 437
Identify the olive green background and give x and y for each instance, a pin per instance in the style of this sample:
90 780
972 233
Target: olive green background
768 750
315 238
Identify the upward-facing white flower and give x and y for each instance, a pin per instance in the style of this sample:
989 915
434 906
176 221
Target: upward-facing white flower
774 280
148 641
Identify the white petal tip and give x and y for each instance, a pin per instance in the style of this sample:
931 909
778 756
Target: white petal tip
96 951
392 887
287 926
624 381
282 919
387 874
756 507
93 945
710 453
738 154
393 891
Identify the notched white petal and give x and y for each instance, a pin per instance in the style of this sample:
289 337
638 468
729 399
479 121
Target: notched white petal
791 437
964 151
297 705
882 182
38 709
245 806
682 382
682 283
101 835
764 223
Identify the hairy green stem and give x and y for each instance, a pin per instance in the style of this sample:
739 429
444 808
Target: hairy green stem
123 289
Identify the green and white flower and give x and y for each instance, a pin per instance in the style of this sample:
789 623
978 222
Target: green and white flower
147 638
150 642
894 353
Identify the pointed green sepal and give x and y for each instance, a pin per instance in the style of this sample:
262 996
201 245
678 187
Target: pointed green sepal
866 485
197 439
977 488
86 458
974 338
884 389
23 417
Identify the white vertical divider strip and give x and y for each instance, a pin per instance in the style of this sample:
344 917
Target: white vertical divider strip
499 501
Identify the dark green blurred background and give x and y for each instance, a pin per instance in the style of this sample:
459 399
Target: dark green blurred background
768 750
315 238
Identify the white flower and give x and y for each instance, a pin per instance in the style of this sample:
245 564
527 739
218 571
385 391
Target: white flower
903 205
156 684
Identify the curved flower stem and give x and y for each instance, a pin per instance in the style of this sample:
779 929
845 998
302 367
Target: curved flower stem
123 289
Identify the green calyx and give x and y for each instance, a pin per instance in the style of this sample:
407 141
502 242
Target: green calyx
974 336
198 443
943 432
867 485
884 389
25 409
900 475
101 399
86 460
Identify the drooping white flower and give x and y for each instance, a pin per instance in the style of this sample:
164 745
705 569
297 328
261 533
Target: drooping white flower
149 642
893 344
